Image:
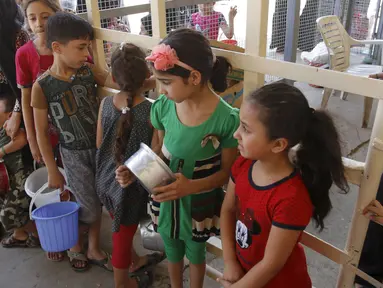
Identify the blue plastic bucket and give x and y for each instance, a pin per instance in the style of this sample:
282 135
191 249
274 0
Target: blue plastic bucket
57 225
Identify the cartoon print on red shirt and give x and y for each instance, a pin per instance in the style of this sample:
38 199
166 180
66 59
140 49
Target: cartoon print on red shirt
246 227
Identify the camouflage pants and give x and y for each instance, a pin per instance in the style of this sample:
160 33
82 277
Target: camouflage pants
14 206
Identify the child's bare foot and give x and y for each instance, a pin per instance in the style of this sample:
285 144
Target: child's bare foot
55 256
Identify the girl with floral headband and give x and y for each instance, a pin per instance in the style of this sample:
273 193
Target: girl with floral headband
196 129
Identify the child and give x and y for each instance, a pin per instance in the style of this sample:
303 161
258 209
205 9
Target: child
269 200
124 123
14 204
207 21
33 59
12 37
67 93
197 128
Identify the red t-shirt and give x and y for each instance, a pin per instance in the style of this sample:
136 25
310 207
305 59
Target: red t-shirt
30 65
285 204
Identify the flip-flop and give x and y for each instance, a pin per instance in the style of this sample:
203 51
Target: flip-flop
105 263
153 260
12 242
75 257
33 241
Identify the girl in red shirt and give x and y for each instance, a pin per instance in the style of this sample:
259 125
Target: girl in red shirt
33 59
270 200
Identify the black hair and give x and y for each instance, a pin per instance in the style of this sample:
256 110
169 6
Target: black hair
64 27
194 49
11 21
285 112
129 70
9 101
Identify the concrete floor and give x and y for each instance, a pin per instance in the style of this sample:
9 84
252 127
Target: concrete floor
28 268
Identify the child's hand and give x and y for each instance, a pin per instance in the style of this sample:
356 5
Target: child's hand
233 271
374 211
56 180
178 189
13 124
36 154
124 177
224 283
233 12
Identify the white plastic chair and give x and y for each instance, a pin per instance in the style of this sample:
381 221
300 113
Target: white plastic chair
338 43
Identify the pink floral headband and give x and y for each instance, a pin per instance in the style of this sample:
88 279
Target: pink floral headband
165 57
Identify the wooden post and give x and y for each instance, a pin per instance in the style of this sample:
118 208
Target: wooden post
256 40
367 192
94 19
158 12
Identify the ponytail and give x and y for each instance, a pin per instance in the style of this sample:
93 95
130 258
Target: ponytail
124 128
319 159
221 68
285 113
129 70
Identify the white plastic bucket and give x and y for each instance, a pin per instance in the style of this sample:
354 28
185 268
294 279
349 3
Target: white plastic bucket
36 187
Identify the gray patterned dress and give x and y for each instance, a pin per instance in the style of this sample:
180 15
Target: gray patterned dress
127 205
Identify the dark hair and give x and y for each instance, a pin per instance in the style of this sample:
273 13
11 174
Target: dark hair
9 101
194 50
285 112
11 21
64 27
129 70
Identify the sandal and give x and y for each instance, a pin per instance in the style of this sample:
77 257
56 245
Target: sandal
105 263
60 257
33 241
144 280
78 257
153 260
12 242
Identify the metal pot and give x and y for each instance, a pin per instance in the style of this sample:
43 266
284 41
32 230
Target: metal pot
149 169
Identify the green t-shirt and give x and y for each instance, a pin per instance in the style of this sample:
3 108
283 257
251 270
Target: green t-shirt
196 152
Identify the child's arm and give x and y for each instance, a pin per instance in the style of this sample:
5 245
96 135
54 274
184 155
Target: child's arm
157 141
26 94
279 247
16 144
228 30
40 111
183 186
233 271
99 126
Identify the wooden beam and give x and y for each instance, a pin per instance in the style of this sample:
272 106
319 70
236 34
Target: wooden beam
321 77
353 170
256 41
324 248
94 19
158 12
145 42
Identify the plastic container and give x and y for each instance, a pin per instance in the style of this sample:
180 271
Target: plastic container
57 225
149 169
36 184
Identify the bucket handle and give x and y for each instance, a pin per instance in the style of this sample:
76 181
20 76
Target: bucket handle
45 186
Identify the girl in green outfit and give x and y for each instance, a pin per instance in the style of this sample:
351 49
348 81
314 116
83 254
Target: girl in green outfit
196 129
